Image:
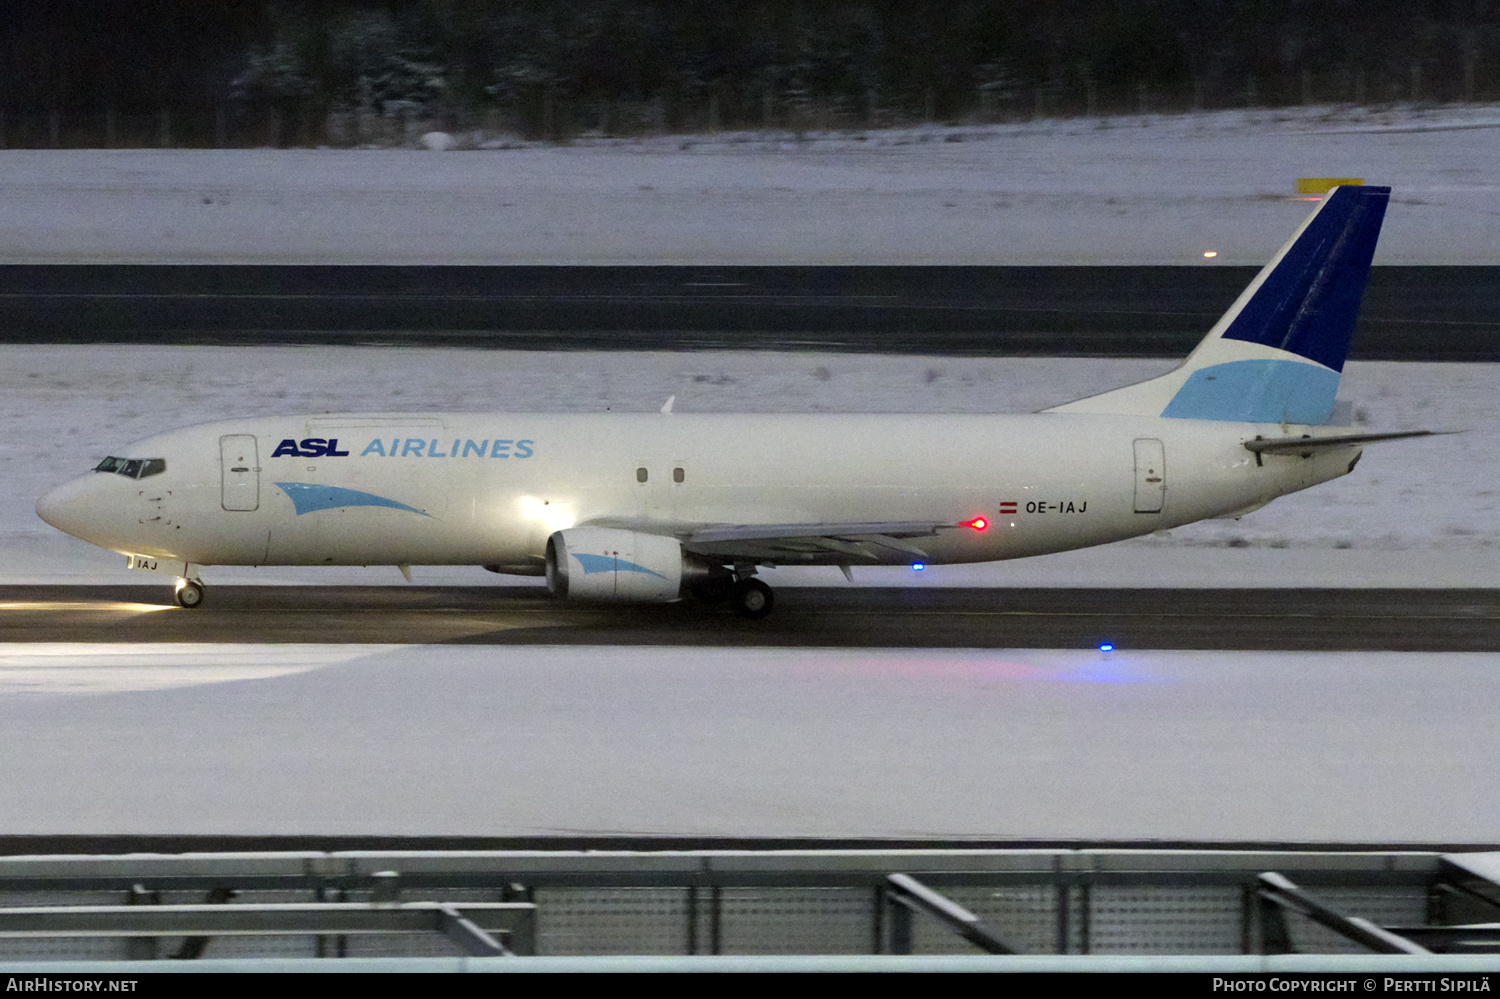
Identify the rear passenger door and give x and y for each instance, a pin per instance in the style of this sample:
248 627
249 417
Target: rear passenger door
1150 475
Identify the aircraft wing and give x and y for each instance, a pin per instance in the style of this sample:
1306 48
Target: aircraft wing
874 542
814 544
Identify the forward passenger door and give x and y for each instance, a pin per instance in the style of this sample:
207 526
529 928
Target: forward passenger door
239 472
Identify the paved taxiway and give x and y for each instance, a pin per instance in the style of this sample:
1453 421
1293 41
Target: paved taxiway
1409 313
1457 620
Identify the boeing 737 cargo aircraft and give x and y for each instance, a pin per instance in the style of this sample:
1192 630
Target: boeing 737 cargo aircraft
653 507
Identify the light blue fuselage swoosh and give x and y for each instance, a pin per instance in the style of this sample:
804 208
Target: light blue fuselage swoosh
308 497
609 563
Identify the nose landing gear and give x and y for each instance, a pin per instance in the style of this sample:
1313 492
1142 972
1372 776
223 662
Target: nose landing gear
189 593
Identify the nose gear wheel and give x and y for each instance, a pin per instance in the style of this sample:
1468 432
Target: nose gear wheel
190 593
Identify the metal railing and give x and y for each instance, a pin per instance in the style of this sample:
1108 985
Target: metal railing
1089 902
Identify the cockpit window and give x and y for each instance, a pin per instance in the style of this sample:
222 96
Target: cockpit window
135 468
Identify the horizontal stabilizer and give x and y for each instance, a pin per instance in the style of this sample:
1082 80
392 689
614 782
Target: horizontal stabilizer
1306 445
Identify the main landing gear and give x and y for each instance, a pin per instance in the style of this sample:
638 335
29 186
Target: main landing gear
190 593
713 582
751 598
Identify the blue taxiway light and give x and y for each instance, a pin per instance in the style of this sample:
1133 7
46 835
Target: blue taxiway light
918 566
1106 647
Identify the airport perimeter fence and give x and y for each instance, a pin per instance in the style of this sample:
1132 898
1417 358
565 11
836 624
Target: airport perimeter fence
746 902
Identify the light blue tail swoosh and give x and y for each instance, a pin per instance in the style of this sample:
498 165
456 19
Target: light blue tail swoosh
608 563
308 497
1257 391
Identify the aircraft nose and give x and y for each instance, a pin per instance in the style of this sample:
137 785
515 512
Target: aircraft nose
66 507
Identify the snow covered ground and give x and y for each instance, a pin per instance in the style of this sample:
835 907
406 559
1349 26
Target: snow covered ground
992 744
985 743
1415 513
113 668
1130 190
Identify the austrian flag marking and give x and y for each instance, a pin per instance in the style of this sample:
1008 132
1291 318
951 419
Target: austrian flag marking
1007 506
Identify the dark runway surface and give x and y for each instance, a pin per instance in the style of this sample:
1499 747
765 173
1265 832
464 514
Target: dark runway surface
1454 620
1410 313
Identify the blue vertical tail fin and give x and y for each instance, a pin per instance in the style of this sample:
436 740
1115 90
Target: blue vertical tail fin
1277 354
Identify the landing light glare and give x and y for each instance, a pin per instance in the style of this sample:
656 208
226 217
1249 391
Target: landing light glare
123 606
552 516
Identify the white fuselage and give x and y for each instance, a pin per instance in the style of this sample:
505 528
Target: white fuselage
488 489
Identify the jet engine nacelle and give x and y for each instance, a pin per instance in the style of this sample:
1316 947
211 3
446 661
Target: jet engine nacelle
605 563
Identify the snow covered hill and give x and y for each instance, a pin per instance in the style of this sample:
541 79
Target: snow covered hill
1130 190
